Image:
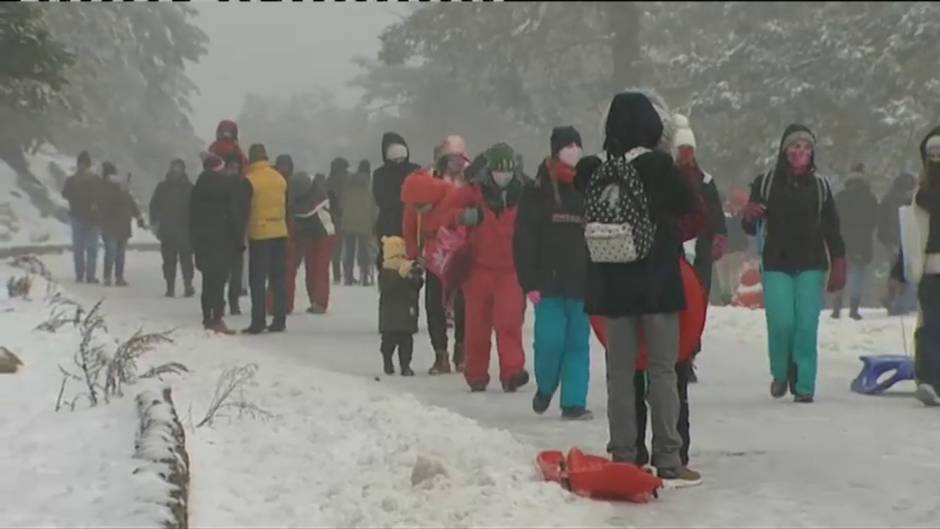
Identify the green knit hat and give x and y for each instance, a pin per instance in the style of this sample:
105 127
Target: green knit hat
500 157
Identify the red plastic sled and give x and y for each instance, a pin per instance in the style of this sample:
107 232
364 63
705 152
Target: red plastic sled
691 320
448 257
598 477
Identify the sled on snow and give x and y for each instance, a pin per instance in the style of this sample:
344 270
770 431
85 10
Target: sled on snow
597 477
872 380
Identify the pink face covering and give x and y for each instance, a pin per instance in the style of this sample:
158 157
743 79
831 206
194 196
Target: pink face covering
570 155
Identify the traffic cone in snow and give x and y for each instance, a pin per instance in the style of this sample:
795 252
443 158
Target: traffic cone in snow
750 292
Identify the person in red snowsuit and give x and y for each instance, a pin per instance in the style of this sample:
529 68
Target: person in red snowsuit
423 196
226 142
494 299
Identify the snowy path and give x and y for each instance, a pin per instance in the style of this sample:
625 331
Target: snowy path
845 461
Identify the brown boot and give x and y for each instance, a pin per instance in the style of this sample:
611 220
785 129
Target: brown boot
458 358
441 364
220 328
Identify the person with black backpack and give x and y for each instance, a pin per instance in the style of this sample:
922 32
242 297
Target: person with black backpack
634 199
792 210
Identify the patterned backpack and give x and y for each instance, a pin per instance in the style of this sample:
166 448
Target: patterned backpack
618 227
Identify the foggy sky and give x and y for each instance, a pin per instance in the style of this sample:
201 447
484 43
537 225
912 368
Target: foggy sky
276 48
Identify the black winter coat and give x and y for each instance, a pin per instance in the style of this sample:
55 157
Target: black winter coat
118 209
83 192
169 209
856 204
386 189
398 302
216 221
548 243
798 234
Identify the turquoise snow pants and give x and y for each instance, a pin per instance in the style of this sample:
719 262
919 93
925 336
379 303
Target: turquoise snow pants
562 350
793 303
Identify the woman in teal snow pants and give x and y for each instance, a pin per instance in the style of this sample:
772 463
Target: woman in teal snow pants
551 264
796 214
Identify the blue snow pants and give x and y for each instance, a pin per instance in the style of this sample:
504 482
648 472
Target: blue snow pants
562 350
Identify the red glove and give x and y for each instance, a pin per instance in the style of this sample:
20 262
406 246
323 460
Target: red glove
754 211
836 275
719 246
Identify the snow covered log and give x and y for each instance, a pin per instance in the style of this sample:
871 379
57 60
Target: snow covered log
161 444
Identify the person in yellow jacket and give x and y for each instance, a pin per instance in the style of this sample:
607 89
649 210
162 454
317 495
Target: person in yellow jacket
267 241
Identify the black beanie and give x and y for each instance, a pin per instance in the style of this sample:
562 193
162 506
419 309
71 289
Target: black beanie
108 169
84 158
563 137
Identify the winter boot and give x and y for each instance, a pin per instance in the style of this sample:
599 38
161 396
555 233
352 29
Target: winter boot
516 381
835 315
576 414
316 309
170 290
404 359
778 389
120 282
855 315
478 387
679 477
278 325
188 289
255 328
441 364
458 357
219 327
927 395
540 403
803 399
92 280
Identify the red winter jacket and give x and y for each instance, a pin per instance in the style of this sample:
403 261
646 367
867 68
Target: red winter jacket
491 241
225 147
420 187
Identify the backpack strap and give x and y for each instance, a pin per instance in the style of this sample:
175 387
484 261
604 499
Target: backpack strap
823 188
766 184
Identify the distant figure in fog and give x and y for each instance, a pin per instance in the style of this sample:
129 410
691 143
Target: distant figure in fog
339 173
169 216
118 208
857 205
358 223
900 298
83 192
237 278
313 236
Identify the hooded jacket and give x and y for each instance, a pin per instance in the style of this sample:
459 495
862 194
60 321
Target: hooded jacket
118 209
225 147
799 230
856 204
421 187
169 209
339 173
83 193
387 183
548 244
653 285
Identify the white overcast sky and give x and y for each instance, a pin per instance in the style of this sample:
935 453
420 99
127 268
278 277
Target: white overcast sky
281 48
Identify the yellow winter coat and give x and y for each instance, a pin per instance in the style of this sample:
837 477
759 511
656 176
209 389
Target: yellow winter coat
268 202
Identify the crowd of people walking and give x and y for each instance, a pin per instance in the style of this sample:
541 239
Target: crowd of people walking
624 240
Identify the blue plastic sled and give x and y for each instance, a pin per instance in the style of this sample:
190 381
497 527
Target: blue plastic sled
874 366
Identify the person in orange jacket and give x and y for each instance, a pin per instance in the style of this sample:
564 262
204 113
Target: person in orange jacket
494 299
423 195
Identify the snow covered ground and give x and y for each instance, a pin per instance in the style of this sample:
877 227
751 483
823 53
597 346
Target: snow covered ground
341 446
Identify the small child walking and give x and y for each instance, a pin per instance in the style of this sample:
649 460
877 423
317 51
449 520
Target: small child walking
400 281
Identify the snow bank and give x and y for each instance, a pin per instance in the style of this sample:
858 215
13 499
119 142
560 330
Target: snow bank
21 224
61 468
346 452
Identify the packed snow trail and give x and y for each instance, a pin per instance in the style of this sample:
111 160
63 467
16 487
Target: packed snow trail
847 460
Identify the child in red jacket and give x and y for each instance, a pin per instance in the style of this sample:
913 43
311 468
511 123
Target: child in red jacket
494 299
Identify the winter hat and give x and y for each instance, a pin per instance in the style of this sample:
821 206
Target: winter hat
108 169
798 135
364 167
500 157
393 247
257 153
454 144
213 163
339 166
932 143
684 135
286 162
300 183
563 137
638 118
84 159
396 150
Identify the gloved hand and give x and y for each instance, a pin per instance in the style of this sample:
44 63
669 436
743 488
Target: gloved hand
837 273
754 211
535 297
719 247
470 217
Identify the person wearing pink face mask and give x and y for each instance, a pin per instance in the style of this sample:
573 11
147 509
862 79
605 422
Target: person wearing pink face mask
551 264
795 210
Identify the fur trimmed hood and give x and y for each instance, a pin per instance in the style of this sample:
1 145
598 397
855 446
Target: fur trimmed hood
638 117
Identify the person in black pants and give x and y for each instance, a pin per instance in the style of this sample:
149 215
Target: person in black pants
215 222
242 195
339 173
169 212
267 241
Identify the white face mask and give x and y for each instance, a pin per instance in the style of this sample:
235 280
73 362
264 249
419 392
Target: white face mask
570 155
502 178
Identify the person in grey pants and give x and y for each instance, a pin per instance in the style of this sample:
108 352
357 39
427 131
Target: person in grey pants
648 293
